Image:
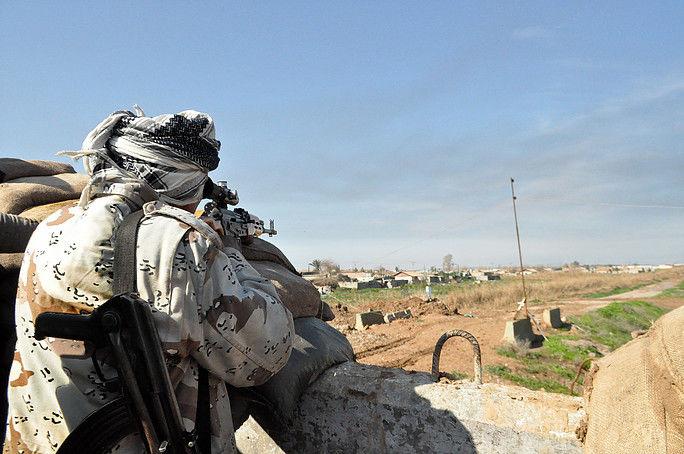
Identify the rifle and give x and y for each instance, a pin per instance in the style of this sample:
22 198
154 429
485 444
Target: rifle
238 222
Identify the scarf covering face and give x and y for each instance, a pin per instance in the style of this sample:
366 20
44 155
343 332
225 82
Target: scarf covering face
171 153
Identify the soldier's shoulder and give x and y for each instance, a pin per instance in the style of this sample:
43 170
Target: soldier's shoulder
161 214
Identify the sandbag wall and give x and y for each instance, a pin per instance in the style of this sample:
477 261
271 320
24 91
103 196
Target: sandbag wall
635 396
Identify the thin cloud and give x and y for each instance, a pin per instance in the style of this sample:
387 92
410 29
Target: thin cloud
615 107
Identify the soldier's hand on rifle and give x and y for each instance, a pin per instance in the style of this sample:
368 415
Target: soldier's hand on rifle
214 224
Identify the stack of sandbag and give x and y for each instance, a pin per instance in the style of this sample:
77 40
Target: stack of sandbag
13 168
635 396
297 294
15 232
26 185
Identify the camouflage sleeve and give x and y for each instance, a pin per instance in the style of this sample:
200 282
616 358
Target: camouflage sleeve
231 319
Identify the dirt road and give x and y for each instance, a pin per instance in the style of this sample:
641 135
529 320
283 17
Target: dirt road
648 291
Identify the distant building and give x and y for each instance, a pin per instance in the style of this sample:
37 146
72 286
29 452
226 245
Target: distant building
487 275
394 283
356 285
412 277
664 267
359 276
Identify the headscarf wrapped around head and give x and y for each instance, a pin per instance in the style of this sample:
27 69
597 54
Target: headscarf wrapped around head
171 153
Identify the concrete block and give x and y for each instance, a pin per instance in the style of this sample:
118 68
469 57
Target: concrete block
392 316
552 318
366 319
519 331
360 408
250 438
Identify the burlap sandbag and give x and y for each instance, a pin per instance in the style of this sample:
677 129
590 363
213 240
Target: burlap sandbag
296 293
635 395
21 194
317 346
10 264
15 232
264 251
40 212
11 168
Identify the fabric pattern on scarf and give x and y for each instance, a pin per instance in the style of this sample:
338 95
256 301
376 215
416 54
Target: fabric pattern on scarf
171 153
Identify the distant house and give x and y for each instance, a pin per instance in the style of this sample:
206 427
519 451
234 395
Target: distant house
487 276
412 277
356 285
358 276
603 269
577 268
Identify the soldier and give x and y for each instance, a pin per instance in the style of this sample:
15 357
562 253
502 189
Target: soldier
211 308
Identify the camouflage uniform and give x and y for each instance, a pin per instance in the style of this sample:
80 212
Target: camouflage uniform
212 309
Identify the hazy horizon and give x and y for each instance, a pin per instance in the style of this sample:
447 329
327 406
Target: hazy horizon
386 133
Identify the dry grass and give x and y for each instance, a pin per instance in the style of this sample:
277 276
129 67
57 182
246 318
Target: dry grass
545 287
542 288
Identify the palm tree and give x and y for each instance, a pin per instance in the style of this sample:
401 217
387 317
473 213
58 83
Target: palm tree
316 264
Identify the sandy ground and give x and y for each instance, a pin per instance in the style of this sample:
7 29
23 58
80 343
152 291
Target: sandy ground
409 343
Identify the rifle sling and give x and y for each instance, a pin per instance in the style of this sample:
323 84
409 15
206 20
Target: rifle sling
125 281
125 267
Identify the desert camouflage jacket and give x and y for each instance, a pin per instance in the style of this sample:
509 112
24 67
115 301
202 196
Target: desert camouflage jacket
211 309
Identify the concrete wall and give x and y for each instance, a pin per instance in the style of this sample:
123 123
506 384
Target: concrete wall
359 408
360 285
394 283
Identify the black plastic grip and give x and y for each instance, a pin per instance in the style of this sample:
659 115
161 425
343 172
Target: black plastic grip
67 326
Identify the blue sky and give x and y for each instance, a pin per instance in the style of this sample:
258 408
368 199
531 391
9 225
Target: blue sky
385 133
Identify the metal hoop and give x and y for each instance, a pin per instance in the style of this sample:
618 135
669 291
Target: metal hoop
477 356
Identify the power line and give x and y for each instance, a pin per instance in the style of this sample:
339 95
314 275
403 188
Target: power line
608 204
480 213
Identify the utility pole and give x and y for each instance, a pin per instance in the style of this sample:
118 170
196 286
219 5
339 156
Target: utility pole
517 235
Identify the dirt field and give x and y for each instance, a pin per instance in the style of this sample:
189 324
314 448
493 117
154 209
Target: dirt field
409 343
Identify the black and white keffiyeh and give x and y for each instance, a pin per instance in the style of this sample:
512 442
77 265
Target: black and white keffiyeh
171 153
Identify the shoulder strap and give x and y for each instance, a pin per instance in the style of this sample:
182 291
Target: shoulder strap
125 267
